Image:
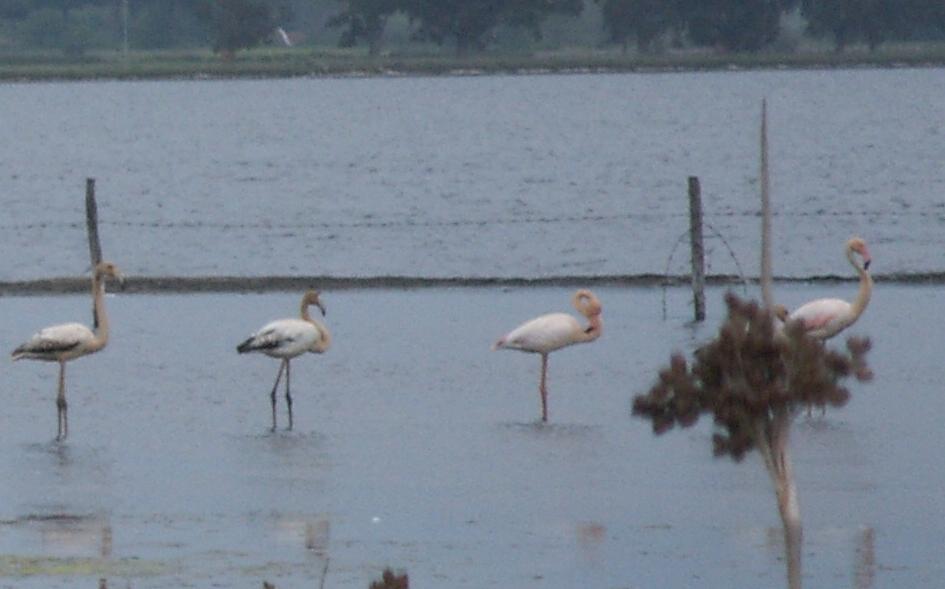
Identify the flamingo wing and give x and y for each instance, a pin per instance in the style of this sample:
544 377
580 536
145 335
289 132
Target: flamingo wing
283 338
52 342
542 334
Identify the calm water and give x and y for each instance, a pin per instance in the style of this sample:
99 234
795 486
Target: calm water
477 176
417 447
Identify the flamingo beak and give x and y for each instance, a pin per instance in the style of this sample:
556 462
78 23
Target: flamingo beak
866 263
320 307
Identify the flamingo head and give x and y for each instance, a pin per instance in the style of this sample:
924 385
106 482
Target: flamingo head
858 245
311 298
109 269
587 303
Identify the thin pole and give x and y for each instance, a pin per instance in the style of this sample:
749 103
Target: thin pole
91 222
766 271
698 251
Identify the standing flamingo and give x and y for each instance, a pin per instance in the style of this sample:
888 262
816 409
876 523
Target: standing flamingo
286 339
547 333
61 343
824 318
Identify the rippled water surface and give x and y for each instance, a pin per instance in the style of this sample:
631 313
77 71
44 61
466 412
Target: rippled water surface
417 447
471 176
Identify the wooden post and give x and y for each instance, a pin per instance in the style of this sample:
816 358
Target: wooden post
698 252
91 222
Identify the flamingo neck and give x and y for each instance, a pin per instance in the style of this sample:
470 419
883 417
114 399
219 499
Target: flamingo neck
305 313
594 328
323 342
99 316
866 289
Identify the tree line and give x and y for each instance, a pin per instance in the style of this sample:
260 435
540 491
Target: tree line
465 26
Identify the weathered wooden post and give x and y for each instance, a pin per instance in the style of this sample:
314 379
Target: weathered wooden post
698 251
91 222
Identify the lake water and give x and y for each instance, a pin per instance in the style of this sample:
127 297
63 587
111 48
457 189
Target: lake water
472 176
415 446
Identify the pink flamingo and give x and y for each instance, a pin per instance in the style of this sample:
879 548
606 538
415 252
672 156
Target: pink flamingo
545 334
287 338
67 341
825 318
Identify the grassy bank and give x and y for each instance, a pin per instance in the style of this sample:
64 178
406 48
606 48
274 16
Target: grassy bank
272 63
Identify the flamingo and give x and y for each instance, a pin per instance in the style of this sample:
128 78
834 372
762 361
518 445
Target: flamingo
824 318
64 342
547 333
286 339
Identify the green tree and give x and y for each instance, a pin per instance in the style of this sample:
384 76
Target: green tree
236 24
643 20
72 31
734 25
161 24
468 23
15 9
67 6
363 19
870 21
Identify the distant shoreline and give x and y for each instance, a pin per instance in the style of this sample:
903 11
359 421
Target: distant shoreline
283 63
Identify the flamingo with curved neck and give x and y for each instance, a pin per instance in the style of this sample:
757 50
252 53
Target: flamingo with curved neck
64 342
287 338
825 318
547 333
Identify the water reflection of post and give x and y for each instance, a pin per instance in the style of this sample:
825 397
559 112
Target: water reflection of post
315 535
792 551
864 568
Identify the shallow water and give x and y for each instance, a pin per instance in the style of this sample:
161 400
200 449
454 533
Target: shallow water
417 447
523 176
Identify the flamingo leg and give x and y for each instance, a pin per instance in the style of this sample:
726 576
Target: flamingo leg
272 395
61 405
288 395
542 389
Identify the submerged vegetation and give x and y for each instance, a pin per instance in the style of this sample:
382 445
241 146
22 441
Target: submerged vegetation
753 379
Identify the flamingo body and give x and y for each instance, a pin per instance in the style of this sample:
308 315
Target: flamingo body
542 334
286 339
547 333
57 343
825 318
